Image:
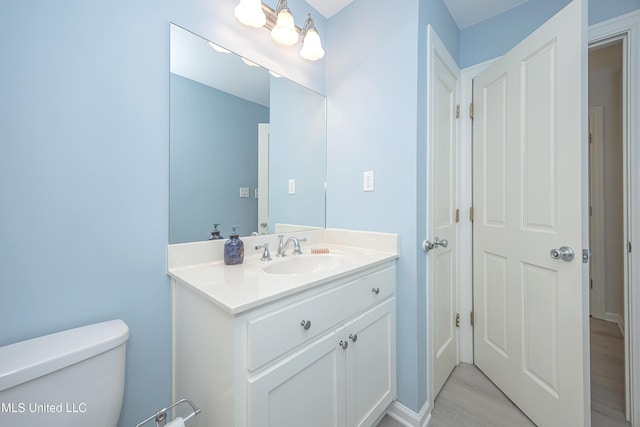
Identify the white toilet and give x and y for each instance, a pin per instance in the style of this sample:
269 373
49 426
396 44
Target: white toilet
71 378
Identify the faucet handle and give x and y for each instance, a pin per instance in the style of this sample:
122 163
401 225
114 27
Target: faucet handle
296 245
266 255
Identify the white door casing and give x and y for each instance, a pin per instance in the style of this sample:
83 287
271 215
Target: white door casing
530 335
596 213
627 29
263 178
442 205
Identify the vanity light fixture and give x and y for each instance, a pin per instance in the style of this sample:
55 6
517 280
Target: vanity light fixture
250 13
283 29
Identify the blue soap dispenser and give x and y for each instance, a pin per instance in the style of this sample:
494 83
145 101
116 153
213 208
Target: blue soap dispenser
215 234
234 248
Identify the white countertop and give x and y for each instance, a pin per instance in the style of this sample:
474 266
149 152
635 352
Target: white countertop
237 288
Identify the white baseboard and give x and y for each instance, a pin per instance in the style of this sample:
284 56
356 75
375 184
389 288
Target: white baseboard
615 318
407 417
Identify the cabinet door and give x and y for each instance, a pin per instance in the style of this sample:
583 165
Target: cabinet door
306 389
371 364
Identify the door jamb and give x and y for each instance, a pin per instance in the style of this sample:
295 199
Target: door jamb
596 217
627 28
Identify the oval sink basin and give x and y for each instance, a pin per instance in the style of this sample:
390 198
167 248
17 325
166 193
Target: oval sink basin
303 264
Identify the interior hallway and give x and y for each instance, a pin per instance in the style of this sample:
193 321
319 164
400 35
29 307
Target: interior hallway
468 398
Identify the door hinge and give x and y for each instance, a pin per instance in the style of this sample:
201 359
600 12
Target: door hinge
458 111
471 213
590 210
457 215
472 319
471 111
457 320
629 247
590 283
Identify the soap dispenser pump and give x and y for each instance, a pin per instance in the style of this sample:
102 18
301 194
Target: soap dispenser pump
234 248
215 234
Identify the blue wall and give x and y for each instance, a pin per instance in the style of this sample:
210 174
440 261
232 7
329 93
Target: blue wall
601 10
377 121
84 159
214 152
297 150
496 36
84 167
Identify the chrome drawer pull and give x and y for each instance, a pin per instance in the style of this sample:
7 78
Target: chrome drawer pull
306 324
343 344
353 337
375 290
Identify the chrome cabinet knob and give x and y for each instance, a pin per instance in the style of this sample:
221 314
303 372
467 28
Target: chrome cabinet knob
306 324
343 344
353 337
375 290
565 253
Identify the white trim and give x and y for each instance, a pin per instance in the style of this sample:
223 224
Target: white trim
465 197
627 27
616 318
407 417
596 220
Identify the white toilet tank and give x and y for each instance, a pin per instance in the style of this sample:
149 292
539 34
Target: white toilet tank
70 378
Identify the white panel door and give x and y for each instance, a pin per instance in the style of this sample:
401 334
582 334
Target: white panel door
529 335
442 259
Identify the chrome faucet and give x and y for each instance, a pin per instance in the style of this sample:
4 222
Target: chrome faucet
282 245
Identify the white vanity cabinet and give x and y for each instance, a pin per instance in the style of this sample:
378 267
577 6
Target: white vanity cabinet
323 356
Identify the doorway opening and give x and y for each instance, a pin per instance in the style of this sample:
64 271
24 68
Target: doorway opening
608 203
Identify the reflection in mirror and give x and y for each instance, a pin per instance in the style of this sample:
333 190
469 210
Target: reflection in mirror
247 147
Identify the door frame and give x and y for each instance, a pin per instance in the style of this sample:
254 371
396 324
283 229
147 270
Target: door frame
629 25
596 217
627 29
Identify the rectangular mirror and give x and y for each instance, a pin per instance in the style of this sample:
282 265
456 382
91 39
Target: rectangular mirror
247 147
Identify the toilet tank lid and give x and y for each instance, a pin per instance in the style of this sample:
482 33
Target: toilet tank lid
30 359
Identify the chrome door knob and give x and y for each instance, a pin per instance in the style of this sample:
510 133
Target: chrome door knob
344 344
565 253
427 245
444 243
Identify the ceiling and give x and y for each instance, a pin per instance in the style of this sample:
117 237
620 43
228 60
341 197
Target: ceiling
465 12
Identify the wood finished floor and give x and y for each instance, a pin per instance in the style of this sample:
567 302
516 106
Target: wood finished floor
468 398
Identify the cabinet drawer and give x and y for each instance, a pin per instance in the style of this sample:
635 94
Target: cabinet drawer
275 333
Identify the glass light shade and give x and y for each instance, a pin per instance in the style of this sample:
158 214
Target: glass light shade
250 13
311 46
284 32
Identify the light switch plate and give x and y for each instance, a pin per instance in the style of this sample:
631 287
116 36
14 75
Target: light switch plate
292 186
